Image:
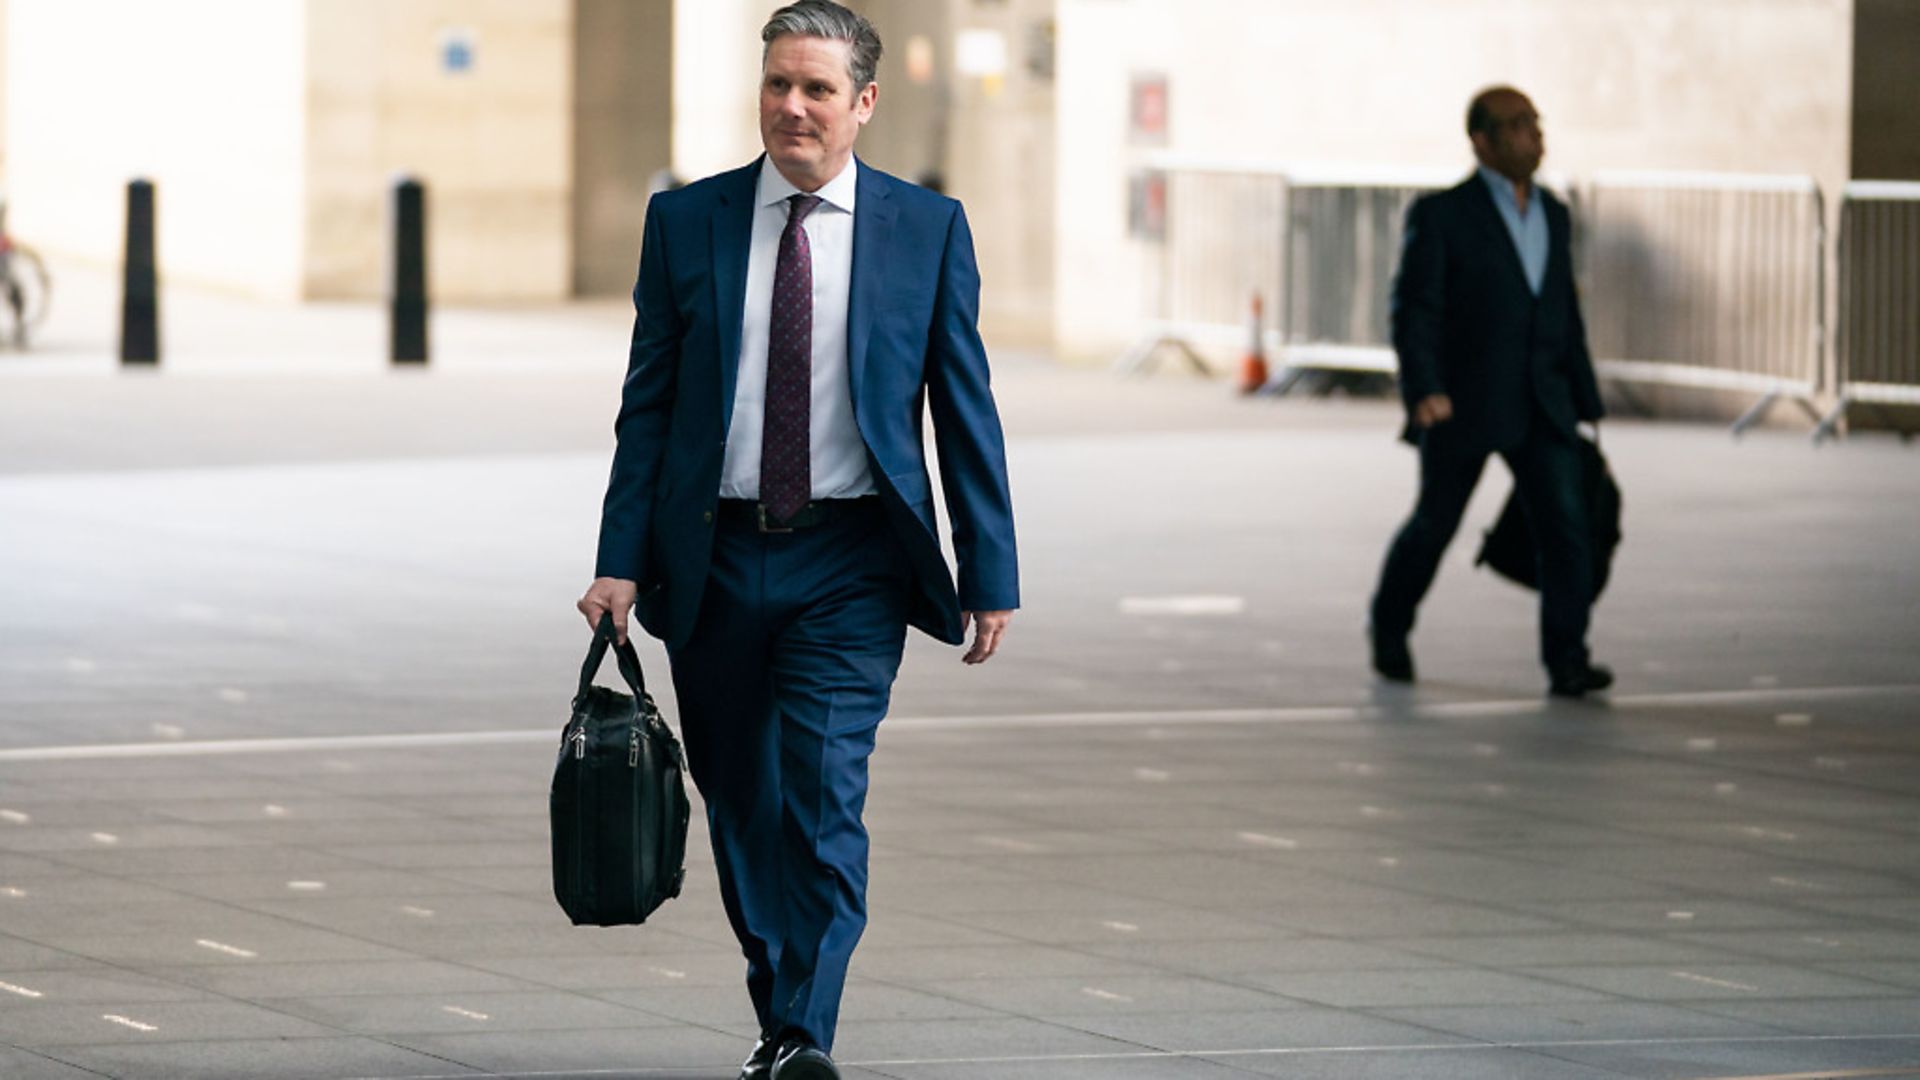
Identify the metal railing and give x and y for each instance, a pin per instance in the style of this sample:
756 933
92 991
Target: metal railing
1219 244
1342 249
1706 280
1877 342
1702 280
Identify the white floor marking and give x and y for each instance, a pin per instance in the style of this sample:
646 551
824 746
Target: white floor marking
1759 833
1103 995
1153 776
1007 844
169 731
15 817
124 1022
233 697
1726 788
105 838
1703 745
1797 883
1263 840
418 912
1794 719
1121 927
1680 916
12 893
467 1013
1309 714
1388 861
20 990
230 950
1183 606
668 972
1706 981
274 811
306 886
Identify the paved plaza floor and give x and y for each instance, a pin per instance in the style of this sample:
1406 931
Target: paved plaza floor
285 649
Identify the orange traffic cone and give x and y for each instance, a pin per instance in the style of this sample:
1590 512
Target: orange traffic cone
1253 366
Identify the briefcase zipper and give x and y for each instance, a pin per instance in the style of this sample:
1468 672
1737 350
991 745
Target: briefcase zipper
633 748
580 741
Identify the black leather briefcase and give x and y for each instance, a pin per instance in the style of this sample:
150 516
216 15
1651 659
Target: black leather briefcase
619 803
1508 549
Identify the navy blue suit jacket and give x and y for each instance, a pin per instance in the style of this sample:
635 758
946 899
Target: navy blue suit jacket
1466 324
913 348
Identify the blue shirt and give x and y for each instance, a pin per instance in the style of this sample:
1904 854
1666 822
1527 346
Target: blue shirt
1529 230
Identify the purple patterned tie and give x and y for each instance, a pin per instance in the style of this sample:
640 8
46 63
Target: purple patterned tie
786 459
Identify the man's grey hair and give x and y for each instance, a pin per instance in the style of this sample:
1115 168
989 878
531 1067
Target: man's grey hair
826 19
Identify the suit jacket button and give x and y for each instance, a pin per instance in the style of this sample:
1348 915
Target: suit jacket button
707 517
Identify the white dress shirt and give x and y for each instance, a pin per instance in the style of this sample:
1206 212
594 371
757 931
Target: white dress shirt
839 465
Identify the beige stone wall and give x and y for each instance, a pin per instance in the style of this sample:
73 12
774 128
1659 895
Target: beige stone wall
1728 85
493 145
100 92
623 133
716 84
3 92
1001 164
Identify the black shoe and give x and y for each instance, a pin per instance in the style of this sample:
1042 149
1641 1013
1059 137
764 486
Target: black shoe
759 1064
801 1060
1579 680
1391 658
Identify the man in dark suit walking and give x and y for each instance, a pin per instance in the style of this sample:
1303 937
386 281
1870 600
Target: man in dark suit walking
770 514
1493 359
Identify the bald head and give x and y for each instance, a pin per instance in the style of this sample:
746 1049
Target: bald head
1505 131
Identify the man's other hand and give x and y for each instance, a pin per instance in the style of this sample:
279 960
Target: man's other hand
1432 409
609 595
988 628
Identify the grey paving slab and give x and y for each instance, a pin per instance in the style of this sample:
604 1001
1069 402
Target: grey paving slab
1429 1064
1423 986
1686 1061
1582 1022
251 1059
1350 881
51 1024
19 1064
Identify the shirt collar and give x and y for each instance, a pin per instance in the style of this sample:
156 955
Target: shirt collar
837 192
1503 190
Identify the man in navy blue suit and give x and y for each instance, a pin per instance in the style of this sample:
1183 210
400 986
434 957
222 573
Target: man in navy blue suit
770 515
1493 359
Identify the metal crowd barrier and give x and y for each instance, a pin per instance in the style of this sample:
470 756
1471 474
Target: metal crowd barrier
1878 337
1706 280
1213 229
1341 250
1702 280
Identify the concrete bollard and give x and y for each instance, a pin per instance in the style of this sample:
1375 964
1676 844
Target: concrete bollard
140 290
408 289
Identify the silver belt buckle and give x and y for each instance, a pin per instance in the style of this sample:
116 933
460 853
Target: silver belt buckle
760 511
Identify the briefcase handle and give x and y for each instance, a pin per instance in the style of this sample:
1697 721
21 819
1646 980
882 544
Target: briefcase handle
629 661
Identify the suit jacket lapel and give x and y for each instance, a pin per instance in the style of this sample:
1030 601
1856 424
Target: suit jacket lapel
873 216
732 240
1496 228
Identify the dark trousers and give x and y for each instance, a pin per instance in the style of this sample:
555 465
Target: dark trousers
1547 474
781 686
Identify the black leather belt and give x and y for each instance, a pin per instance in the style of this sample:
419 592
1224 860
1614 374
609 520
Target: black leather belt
754 515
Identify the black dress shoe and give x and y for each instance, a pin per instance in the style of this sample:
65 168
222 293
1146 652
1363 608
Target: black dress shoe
1391 657
801 1060
1579 680
759 1064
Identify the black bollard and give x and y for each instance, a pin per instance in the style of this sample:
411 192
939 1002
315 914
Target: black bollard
140 292
409 286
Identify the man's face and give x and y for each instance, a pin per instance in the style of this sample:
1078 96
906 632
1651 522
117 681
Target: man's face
1513 146
809 110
